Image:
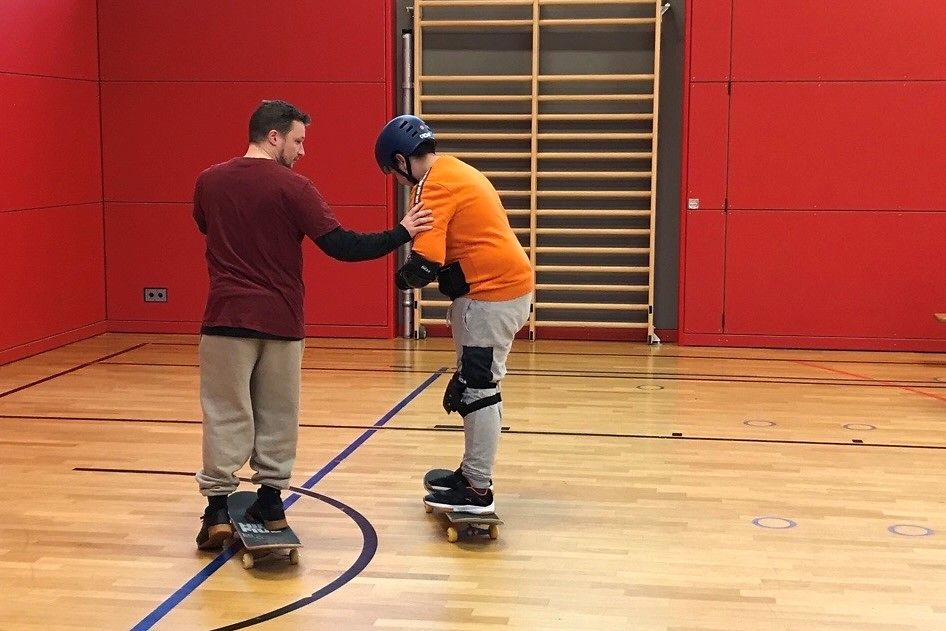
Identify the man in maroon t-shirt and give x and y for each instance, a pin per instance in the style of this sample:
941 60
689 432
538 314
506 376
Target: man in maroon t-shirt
255 212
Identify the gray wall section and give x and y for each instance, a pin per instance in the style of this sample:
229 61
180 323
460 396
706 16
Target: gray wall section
571 52
670 142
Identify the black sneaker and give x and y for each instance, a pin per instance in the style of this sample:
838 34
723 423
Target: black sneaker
216 529
270 514
453 480
465 500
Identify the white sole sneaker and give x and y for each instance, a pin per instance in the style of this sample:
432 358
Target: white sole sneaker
463 508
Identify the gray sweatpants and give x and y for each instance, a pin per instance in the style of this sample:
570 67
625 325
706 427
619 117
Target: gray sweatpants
249 393
483 333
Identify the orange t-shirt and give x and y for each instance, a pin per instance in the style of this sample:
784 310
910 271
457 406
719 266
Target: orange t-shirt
470 226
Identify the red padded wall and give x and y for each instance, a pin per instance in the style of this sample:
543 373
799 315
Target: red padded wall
179 82
705 269
52 279
54 124
154 245
52 272
708 136
335 291
709 23
838 146
210 120
244 40
835 274
845 40
51 38
834 159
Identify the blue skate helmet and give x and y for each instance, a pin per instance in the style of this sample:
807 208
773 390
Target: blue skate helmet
402 135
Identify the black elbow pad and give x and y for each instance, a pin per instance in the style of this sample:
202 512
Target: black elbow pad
416 272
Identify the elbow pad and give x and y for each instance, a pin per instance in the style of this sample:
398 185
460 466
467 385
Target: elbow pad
416 272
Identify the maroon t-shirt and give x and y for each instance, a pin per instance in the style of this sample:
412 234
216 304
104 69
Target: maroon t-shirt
255 213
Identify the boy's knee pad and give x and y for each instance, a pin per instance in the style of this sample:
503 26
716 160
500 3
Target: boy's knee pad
453 396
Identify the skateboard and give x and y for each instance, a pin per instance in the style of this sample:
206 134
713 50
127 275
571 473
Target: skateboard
475 525
257 540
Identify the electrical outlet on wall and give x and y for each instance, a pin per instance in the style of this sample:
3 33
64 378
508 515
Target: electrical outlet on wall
156 294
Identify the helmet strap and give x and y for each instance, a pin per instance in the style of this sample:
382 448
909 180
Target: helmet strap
407 174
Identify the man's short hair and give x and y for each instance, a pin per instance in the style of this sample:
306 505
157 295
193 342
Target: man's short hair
277 115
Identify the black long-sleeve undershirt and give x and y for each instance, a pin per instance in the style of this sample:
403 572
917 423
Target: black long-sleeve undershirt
346 245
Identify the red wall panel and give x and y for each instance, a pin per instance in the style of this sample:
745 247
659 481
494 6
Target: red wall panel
835 155
710 22
154 245
845 274
50 153
158 245
839 40
708 132
243 40
350 294
159 136
52 279
177 93
838 146
705 254
336 65
49 37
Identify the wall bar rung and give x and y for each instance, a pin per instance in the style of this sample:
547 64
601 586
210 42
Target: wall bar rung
588 306
475 23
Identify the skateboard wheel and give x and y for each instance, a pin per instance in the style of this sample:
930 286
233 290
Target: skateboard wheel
247 561
293 557
493 531
428 509
452 534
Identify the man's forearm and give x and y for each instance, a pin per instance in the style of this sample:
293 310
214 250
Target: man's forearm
346 245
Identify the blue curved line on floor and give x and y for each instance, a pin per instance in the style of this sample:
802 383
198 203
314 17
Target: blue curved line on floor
187 588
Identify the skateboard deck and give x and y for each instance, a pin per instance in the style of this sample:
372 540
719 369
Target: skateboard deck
463 523
257 540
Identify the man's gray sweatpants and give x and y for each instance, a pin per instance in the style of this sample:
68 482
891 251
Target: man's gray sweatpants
249 392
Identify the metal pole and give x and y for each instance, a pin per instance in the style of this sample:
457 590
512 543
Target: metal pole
406 298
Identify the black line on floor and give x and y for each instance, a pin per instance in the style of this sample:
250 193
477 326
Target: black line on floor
137 471
507 430
368 548
574 374
70 370
647 355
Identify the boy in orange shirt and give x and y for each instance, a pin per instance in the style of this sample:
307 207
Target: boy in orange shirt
479 264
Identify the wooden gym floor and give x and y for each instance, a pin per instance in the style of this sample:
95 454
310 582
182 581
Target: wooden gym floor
642 488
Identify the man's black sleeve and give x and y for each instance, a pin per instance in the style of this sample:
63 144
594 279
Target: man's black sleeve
346 245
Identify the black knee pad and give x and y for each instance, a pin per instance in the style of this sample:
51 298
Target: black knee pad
453 396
